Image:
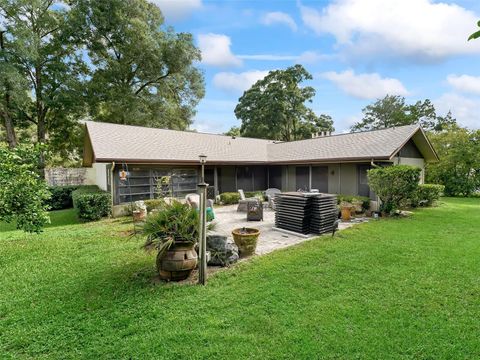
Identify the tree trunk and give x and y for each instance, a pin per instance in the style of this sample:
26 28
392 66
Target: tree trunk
41 117
9 129
7 119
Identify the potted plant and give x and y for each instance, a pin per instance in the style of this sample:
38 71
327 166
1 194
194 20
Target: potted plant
173 232
346 210
140 212
246 240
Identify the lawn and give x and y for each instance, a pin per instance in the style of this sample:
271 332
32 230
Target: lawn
398 288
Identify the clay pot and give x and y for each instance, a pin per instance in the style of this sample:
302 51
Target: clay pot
178 262
346 213
139 215
246 240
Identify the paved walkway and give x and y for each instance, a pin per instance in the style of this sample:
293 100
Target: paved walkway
227 219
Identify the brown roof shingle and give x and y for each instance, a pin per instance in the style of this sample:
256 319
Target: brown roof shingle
112 142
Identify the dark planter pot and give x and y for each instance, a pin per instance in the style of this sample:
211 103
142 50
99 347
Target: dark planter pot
178 262
246 240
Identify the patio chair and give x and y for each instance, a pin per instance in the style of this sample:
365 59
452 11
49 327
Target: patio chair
194 201
242 203
270 194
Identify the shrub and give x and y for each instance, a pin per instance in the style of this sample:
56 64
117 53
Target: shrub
427 194
256 194
394 185
91 203
352 198
61 197
154 204
23 193
228 198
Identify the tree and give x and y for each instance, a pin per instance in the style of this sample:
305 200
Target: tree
234 131
140 74
459 166
476 34
23 193
392 110
274 107
39 52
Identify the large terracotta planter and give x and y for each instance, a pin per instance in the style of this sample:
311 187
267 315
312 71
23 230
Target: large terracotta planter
178 262
346 213
246 240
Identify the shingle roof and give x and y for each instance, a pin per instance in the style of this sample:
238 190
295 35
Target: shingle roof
112 142
379 144
135 143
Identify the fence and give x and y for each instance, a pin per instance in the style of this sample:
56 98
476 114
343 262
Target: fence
66 176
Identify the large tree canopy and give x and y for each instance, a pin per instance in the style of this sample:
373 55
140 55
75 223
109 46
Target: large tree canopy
42 70
274 107
394 111
141 74
109 60
459 165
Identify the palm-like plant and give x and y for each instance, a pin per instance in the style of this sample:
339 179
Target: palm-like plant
173 223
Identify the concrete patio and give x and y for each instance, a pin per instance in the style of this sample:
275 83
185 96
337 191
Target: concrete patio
227 218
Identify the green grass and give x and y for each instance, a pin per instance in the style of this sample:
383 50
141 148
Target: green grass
398 288
57 218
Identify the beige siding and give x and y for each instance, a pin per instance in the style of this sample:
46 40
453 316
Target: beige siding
348 179
413 162
334 179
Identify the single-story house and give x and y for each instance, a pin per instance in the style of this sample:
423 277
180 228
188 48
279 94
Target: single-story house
330 163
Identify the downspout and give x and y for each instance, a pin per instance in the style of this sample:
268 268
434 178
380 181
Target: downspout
112 183
376 196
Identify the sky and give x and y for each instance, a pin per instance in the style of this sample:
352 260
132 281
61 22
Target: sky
356 50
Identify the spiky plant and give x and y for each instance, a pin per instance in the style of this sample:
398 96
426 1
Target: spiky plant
173 223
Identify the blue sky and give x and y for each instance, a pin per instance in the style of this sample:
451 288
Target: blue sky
356 50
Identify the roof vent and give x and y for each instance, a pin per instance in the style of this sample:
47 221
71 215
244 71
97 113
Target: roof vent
321 134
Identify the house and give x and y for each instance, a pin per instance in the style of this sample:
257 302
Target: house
330 163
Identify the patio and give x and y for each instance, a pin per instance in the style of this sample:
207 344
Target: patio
227 218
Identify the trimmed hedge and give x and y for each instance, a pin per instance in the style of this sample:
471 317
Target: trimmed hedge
351 198
228 198
92 203
427 194
61 197
394 185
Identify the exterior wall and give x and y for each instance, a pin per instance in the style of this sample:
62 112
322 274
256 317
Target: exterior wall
334 179
419 162
99 175
348 179
70 176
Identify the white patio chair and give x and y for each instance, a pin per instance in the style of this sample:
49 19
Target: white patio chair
270 194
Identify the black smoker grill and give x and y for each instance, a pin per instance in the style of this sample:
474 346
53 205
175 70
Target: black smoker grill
306 213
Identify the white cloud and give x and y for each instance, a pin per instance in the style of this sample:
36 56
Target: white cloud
174 10
307 57
464 109
278 17
237 82
465 83
365 86
216 51
420 29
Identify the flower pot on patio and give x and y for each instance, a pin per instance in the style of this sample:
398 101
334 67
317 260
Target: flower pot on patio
177 262
139 215
246 240
346 210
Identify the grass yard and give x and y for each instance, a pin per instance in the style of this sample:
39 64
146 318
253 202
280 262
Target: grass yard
407 288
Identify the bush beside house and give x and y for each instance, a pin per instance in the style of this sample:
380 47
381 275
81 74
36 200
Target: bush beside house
427 194
91 203
394 185
61 197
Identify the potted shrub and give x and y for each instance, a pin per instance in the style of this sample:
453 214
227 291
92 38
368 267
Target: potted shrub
173 232
246 240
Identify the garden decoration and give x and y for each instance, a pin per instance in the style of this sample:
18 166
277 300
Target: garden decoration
246 240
